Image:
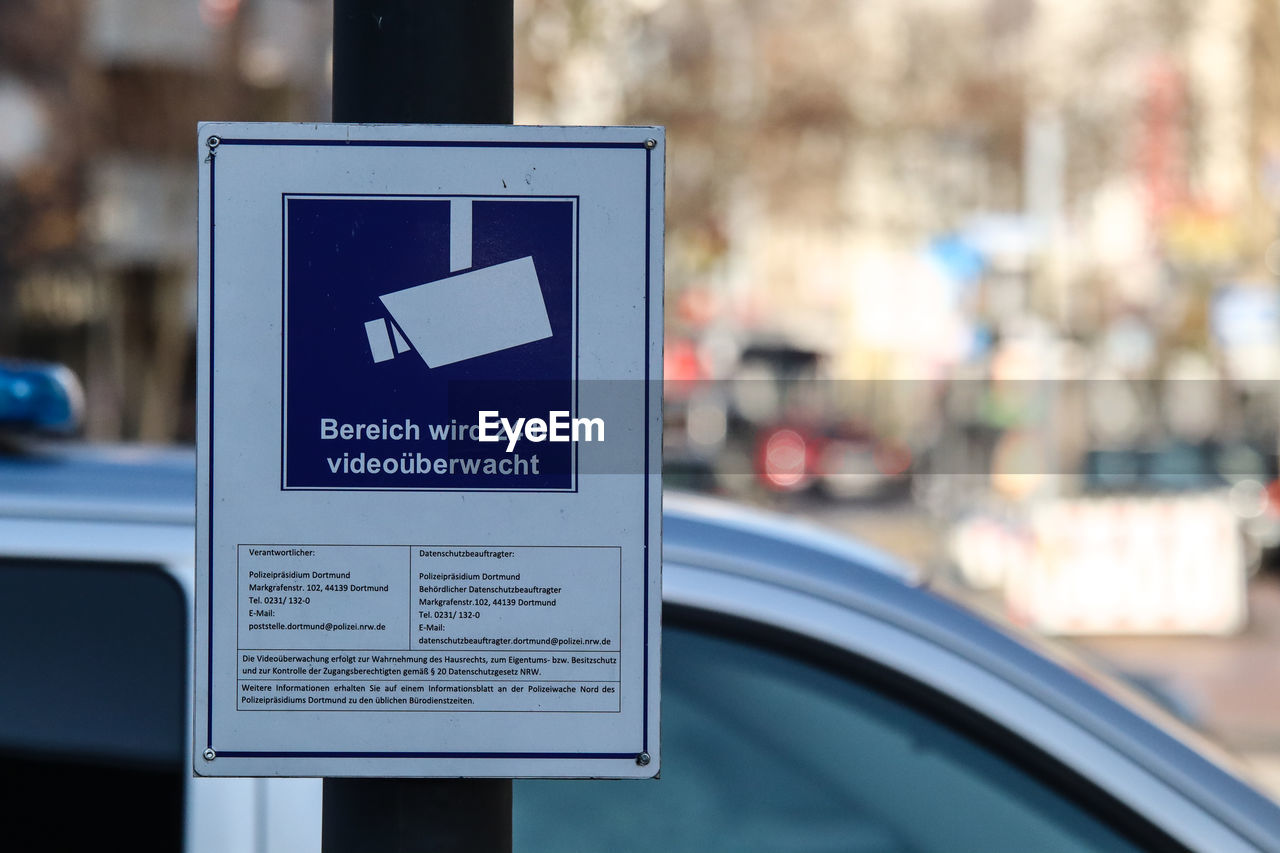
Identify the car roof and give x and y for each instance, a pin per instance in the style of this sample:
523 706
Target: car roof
111 482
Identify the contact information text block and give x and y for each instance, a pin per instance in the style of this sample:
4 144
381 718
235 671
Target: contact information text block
325 627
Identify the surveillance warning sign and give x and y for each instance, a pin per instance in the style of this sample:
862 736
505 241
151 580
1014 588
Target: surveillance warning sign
430 311
429 443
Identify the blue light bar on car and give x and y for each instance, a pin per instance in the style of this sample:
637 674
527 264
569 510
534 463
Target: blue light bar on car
39 397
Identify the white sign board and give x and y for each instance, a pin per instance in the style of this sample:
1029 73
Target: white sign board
429 500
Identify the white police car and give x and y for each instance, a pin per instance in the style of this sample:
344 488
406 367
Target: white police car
814 699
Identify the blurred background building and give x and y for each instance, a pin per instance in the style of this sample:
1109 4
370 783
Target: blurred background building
992 283
99 101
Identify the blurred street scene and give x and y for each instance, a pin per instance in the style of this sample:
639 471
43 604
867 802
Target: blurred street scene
992 284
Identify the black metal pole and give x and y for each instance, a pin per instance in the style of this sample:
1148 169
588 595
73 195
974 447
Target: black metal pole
440 62
416 815
422 61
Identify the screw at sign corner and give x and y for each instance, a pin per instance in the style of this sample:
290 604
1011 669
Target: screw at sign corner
650 143
643 759
213 141
209 754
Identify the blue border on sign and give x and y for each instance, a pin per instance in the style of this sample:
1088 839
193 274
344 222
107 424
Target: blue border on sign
648 251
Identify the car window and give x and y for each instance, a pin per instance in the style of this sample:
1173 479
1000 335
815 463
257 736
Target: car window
92 707
763 751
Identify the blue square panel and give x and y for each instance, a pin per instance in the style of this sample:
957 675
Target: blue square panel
404 318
